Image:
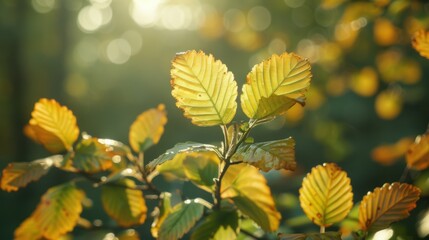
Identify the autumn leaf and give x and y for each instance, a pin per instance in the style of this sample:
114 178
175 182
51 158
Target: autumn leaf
162 212
59 210
123 203
203 88
19 174
266 156
201 168
275 85
181 219
387 154
326 195
418 153
92 156
388 204
53 126
248 189
420 42
28 230
148 128
219 225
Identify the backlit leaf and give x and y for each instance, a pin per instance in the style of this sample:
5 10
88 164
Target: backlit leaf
162 212
182 218
388 204
420 43
92 156
148 128
201 168
53 125
173 169
19 174
59 210
418 153
248 189
179 148
124 204
129 234
387 154
219 225
311 236
275 85
28 230
326 195
203 88
266 156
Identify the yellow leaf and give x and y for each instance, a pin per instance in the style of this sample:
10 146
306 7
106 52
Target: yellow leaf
161 213
203 88
124 204
148 128
59 210
52 125
129 234
365 83
28 230
420 42
244 185
282 80
385 33
418 153
388 104
92 156
387 204
386 154
17 175
326 195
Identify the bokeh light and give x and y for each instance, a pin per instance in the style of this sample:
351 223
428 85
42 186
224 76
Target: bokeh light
118 51
43 6
259 18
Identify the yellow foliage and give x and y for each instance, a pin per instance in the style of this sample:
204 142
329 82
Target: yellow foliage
53 126
420 43
326 195
315 98
365 83
385 33
295 113
387 154
418 154
148 128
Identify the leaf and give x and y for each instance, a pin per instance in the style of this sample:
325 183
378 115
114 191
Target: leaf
310 236
53 125
19 174
124 204
182 218
387 154
219 225
162 212
420 42
129 234
244 185
275 85
148 128
28 230
417 155
326 195
59 210
179 148
279 154
203 88
388 204
91 156
201 168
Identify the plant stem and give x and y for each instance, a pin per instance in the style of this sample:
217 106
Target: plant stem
322 229
404 174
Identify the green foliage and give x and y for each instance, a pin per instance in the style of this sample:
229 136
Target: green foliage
242 202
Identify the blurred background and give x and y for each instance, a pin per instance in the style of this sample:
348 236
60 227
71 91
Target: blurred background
109 60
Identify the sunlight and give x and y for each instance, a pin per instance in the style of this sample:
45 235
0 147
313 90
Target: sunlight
384 234
118 51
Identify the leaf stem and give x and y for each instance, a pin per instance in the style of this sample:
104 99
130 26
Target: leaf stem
404 174
322 229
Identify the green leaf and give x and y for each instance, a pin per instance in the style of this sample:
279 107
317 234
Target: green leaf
388 204
203 88
123 203
201 168
162 211
266 156
173 169
248 189
326 194
59 210
179 148
17 175
219 225
181 219
148 128
310 236
275 85
91 156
